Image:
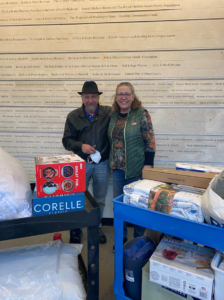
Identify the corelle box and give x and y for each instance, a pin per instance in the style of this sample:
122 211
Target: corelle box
196 179
60 175
154 291
57 204
183 267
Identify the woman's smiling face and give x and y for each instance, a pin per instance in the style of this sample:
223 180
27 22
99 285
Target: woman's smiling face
124 99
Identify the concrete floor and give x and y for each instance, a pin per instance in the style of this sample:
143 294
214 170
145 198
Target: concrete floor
106 255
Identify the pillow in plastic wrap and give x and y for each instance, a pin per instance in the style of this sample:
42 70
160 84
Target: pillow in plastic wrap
15 192
46 271
69 277
31 272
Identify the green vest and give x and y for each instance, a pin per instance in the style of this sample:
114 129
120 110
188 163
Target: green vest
134 143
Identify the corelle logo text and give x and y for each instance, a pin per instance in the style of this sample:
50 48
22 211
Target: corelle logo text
58 207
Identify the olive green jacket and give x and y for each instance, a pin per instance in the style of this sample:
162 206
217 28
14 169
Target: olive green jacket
134 143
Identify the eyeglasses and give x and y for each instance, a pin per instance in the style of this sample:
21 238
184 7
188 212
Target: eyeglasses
126 95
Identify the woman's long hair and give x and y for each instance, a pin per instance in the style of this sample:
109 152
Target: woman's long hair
135 104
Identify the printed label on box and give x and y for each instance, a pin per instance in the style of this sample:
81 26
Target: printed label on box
59 175
154 291
177 265
57 204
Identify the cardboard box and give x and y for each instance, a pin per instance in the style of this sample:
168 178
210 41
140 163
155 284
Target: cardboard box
196 179
154 291
57 204
60 175
174 264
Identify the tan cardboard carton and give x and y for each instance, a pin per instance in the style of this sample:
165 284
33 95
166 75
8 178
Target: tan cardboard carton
183 267
196 179
154 291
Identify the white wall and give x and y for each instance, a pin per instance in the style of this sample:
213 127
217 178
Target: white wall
171 50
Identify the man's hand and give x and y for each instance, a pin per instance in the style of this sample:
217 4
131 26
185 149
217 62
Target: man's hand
87 149
147 167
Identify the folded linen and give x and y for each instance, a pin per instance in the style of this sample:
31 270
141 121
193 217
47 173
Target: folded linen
165 198
141 187
189 189
133 199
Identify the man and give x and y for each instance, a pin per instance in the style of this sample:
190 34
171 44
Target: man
85 132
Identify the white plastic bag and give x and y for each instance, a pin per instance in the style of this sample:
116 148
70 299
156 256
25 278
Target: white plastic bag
218 185
221 266
15 192
213 206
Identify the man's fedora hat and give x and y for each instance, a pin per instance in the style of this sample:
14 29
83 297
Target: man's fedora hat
90 87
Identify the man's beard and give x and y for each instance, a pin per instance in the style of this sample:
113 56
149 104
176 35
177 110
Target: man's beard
91 108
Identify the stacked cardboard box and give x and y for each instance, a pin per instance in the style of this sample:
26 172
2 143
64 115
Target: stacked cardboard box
183 267
196 179
60 184
154 291
59 175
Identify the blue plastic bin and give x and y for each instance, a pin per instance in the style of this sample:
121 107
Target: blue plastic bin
133 282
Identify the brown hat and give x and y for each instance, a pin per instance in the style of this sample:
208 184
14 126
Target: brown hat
90 87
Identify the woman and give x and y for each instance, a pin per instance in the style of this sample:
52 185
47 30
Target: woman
132 142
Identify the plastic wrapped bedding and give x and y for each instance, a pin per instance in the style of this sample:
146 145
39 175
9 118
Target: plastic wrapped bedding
69 277
46 271
140 187
188 206
137 193
15 193
189 189
198 168
179 201
30 273
136 200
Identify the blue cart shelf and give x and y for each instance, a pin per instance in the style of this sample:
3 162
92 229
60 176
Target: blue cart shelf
193 231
